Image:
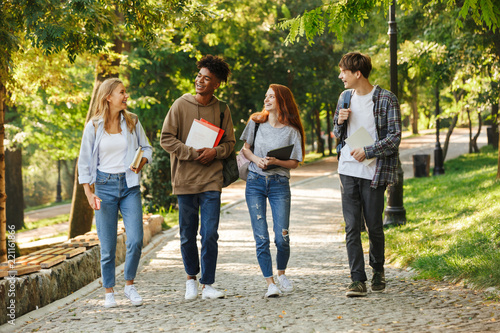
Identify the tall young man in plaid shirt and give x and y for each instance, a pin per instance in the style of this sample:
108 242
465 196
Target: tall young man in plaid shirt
363 184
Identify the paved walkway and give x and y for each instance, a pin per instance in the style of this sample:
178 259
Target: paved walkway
318 266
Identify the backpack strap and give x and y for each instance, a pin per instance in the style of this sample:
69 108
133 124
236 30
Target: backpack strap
222 108
347 98
254 136
346 103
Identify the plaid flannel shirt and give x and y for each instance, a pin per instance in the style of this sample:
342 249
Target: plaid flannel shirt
388 123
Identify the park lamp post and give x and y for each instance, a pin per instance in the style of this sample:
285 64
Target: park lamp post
395 213
58 195
438 152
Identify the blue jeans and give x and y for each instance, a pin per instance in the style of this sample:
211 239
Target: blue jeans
115 195
360 201
276 188
191 207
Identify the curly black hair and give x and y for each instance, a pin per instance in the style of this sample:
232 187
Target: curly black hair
215 65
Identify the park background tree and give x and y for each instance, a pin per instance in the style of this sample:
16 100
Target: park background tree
479 17
158 66
74 28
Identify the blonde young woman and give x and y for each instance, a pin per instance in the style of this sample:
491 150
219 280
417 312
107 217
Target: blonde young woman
279 126
109 143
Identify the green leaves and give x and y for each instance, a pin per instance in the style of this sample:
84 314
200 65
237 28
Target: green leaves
340 13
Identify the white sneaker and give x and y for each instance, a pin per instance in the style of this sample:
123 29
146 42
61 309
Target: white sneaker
286 285
272 291
191 289
109 301
210 292
133 295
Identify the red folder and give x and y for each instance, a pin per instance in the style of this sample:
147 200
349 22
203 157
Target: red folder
215 128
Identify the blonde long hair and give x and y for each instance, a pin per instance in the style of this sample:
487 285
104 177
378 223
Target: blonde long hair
100 105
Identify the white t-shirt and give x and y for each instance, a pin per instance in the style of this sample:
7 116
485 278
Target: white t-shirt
361 116
112 152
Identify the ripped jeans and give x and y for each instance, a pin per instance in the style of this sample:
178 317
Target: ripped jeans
277 189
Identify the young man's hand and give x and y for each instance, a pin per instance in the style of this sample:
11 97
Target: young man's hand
358 154
343 115
205 155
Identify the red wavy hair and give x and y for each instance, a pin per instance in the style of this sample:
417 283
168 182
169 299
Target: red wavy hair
288 112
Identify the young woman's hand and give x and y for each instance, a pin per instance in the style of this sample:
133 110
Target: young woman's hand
289 164
94 200
262 163
139 168
271 160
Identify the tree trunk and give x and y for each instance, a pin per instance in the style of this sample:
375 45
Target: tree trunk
329 128
321 143
69 173
312 133
81 214
3 196
474 139
498 168
470 131
448 135
498 144
14 188
494 127
414 109
80 217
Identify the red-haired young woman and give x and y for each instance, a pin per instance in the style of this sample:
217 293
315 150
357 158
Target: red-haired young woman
268 179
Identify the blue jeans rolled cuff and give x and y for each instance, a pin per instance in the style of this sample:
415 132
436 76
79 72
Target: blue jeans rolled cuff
116 196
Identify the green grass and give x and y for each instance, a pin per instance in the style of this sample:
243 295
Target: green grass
45 222
453 228
171 218
52 236
313 157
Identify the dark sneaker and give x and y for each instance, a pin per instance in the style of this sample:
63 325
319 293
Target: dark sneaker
378 282
356 289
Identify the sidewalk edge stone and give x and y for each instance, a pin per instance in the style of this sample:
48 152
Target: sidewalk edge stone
88 289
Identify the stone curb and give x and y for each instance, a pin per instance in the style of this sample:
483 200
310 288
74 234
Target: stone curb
88 289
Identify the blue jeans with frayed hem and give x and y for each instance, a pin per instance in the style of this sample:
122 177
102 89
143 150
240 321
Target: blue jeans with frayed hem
276 189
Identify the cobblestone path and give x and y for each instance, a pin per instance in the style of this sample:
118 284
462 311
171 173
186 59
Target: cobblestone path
318 267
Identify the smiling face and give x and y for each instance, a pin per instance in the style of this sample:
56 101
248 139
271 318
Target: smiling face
206 82
349 78
118 98
270 103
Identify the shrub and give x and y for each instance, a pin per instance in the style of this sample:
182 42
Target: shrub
157 182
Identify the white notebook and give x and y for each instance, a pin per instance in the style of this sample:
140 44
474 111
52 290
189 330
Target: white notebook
361 138
201 135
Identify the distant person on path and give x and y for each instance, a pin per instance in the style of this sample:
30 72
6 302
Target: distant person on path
197 174
279 125
109 144
363 185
